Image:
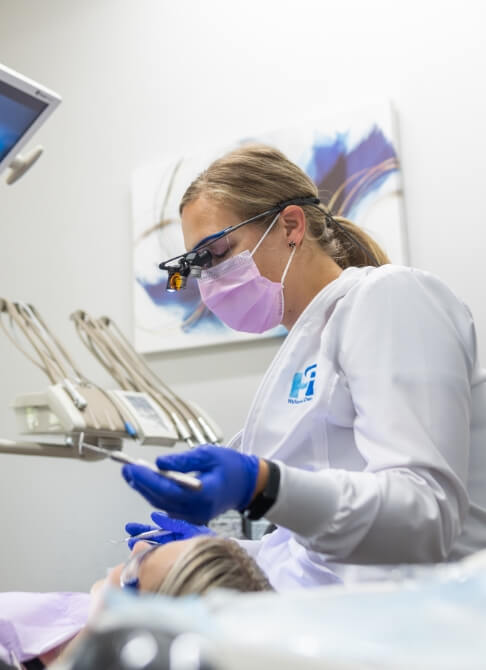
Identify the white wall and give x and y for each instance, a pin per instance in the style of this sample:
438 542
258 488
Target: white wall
143 78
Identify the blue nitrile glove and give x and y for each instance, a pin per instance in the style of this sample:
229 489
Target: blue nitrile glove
228 482
178 529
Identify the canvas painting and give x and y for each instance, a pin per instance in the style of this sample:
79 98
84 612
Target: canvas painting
353 160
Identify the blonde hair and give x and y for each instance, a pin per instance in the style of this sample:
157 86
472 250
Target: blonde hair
210 563
254 178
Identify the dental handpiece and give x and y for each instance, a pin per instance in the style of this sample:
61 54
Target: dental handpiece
181 478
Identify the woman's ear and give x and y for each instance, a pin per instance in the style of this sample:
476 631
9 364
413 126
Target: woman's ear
293 221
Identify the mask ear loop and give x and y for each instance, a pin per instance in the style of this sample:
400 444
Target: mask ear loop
292 244
265 234
292 254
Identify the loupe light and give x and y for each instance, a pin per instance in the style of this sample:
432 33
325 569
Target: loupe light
189 264
175 281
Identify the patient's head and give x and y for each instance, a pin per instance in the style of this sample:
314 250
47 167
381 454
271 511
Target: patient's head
197 565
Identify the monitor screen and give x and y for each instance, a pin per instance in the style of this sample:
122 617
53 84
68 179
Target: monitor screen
18 111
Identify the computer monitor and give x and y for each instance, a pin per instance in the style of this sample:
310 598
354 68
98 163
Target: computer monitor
24 106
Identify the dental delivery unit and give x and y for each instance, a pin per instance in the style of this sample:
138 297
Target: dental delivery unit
75 418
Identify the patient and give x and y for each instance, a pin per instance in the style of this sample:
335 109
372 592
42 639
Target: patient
197 565
194 566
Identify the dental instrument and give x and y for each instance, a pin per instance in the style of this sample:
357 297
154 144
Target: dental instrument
72 407
71 403
112 349
188 481
146 535
228 479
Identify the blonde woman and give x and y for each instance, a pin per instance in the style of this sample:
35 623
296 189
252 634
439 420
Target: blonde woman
36 628
193 566
365 442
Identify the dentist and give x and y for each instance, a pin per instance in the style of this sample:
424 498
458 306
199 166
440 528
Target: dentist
366 440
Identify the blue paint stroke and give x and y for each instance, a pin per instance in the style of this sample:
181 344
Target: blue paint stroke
189 299
332 163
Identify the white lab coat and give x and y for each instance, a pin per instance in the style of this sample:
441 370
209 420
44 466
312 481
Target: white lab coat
375 409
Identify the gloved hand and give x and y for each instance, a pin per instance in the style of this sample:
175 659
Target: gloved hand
178 529
228 482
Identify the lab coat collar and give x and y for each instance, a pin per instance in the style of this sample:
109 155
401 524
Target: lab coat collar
330 294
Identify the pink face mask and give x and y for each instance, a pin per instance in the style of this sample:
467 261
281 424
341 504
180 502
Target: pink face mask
240 296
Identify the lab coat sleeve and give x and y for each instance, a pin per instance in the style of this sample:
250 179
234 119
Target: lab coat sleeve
252 547
406 350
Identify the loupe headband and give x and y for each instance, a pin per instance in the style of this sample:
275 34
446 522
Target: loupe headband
192 262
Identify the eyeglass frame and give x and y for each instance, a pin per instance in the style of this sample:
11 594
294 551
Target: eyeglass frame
134 563
189 259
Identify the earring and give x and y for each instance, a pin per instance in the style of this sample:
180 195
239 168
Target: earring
292 245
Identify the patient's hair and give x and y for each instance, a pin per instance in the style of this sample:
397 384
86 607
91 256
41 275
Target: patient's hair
210 563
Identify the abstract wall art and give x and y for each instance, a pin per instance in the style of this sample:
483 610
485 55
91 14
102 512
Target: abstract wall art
351 156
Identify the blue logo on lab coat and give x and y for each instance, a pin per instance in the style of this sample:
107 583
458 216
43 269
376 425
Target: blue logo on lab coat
302 388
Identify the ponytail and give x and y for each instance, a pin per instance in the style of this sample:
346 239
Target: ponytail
348 244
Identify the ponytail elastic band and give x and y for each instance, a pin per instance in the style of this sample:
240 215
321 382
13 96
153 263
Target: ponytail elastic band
330 221
352 238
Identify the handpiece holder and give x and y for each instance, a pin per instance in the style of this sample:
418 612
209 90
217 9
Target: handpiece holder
69 448
21 163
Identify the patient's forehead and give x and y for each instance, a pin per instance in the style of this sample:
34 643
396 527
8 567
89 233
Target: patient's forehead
158 563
